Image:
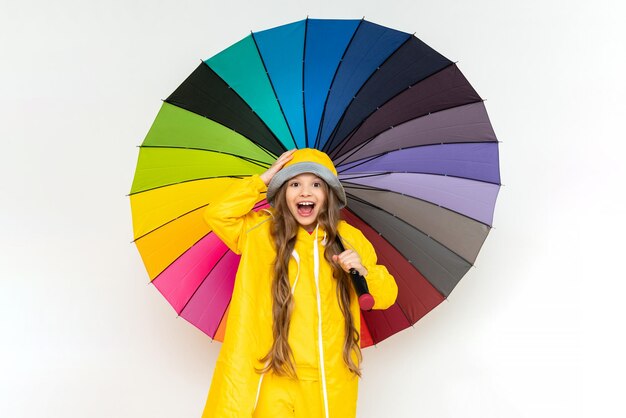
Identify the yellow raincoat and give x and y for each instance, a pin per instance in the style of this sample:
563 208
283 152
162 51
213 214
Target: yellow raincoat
316 340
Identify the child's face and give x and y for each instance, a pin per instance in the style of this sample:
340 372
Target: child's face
306 196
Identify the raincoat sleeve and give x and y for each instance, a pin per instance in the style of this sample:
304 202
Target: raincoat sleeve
381 284
230 215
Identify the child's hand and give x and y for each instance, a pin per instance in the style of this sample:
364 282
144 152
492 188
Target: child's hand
278 164
350 259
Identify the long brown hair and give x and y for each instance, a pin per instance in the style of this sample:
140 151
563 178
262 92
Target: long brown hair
284 230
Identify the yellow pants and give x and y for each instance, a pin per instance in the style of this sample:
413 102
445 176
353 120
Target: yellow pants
282 397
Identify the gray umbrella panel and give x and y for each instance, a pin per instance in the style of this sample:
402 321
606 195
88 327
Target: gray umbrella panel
443 268
462 235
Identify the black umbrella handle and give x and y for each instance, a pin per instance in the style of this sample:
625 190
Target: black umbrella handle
366 300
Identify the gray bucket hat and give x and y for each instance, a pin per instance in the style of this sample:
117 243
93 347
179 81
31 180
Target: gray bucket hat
308 160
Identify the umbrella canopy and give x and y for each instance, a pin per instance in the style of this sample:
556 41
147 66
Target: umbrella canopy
410 137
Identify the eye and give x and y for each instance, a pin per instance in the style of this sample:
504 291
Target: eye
294 184
317 184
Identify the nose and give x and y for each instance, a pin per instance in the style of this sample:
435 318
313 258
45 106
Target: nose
305 191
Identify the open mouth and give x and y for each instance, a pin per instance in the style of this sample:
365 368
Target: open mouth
305 208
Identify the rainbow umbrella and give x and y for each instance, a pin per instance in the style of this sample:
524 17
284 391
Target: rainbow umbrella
409 135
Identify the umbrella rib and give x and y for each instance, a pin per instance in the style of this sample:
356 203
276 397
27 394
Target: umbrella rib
343 143
260 203
382 154
401 308
306 130
373 157
203 280
234 176
276 140
261 147
347 153
431 237
360 187
343 114
280 106
168 222
489 227
426 309
260 163
341 158
364 176
363 161
179 256
402 255
389 326
321 123
221 319
382 173
411 226
423 252
402 278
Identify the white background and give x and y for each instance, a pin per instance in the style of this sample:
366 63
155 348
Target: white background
532 331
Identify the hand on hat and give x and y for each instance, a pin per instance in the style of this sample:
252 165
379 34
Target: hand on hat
284 158
350 259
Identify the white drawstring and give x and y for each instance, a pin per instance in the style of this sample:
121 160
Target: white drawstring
316 271
295 255
258 390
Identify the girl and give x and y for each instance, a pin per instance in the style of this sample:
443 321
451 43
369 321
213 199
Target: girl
291 346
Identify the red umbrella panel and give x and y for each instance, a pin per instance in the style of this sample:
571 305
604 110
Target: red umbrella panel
410 137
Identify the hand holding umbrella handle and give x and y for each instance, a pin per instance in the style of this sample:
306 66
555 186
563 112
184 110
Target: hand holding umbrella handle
366 300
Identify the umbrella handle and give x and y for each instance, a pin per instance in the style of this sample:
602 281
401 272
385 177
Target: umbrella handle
366 300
